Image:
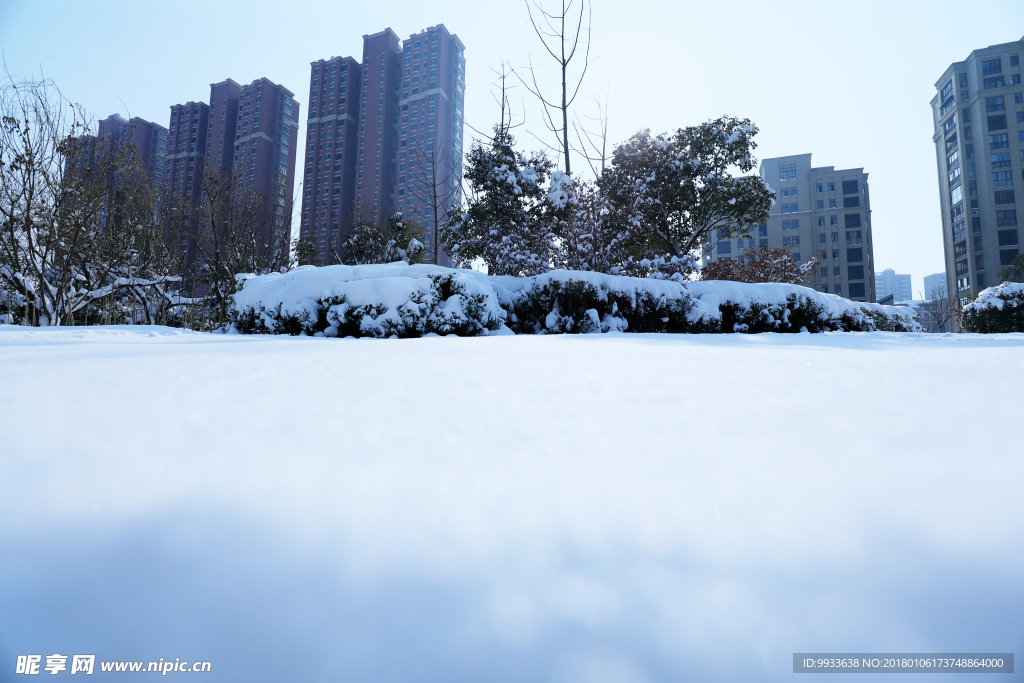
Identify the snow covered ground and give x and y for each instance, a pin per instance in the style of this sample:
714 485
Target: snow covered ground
591 509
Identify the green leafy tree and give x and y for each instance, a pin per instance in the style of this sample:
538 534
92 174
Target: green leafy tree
687 187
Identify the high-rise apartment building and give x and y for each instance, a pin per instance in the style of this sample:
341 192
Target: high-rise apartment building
187 152
935 286
889 282
148 139
382 133
978 115
818 211
251 131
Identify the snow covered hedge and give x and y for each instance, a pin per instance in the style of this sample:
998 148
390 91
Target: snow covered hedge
571 301
997 309
563 301
391 300
409 301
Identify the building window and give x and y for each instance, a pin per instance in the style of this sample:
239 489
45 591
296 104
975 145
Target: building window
835 236
785 225
1006 218
1002 179
855 273
994 104
851 202
857 290
850 187
1006 256
817 188
832 187
1008 238
998 141
821 238
821 220
785 208
833 220
835 252
1004 197
991 67
1001 160
994 82
832 203
787 172
821 204
997 122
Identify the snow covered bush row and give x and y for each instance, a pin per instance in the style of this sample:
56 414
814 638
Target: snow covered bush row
565 301
391 300
404 300
997 309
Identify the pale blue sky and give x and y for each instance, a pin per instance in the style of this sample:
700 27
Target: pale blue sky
849 82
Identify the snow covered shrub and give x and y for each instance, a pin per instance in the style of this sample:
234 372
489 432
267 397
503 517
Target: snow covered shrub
779 307
997 309
579 302
380 301
761 264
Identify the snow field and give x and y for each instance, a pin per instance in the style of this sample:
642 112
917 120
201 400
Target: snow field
557 508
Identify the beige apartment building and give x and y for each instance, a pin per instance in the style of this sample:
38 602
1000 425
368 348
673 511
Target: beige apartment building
979 149
818 211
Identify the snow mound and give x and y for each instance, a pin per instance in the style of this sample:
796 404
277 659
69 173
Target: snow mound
380 301
997 309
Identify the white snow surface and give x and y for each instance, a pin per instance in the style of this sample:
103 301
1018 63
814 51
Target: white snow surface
591 508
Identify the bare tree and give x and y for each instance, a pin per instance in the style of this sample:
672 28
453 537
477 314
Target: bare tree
761 264
940 307
435 181
79 219
238 230
594 143
561 40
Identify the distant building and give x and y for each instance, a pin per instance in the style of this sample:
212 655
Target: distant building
818 211
148 141
935 286
889 282
979 175
187 137
251 131
376 127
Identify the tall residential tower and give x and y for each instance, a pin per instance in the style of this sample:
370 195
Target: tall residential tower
380 132
979 149
249 130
